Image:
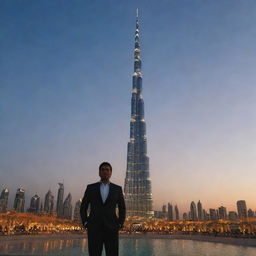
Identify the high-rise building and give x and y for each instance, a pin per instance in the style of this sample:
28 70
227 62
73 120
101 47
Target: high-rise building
250 213
206 215
217 213
223 213
213 214
19 201
232 215
34 204
193 213
137 186
185 216
170 212
67 207
164 212
2 206
41 207
158 214
59 208
241 209
4 200
177 216
199 210
49 203
77 217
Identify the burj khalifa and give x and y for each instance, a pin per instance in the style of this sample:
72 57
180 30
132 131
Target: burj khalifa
137 187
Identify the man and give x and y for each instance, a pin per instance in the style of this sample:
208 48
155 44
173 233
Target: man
102 223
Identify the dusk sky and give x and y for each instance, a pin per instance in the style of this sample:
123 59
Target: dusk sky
65 88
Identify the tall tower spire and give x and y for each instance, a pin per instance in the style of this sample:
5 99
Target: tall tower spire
137 189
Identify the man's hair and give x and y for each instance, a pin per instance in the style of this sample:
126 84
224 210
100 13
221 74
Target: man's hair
105 163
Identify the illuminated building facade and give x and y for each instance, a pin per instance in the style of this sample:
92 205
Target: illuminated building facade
137 185
19 201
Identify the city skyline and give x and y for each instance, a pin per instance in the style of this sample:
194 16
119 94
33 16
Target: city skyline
169 212
65 88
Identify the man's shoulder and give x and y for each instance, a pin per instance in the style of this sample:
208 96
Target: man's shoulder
115 186
93 185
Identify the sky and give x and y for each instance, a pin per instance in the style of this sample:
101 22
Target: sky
65 92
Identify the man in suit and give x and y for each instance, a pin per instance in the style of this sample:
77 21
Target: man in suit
102 222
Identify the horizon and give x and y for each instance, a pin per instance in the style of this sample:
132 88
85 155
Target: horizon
66 82
27 203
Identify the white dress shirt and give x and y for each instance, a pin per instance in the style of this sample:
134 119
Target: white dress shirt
104 190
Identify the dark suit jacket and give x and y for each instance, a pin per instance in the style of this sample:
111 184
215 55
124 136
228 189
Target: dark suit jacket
103 213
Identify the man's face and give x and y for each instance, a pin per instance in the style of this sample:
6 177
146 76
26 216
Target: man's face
105 172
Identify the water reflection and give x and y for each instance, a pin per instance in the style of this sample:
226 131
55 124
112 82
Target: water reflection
128 247
43 246
138 247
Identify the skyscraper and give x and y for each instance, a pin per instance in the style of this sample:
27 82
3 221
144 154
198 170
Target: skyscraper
241 209
213 214
34 204
232 215
137 186
19 201
41 208
170 212
185 216
49 202
67 207
250 213
59 208
199 210
164 212
4 200
177 216
223 213
77 217
193 213
206 215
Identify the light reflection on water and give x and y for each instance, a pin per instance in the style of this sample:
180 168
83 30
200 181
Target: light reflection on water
128 247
